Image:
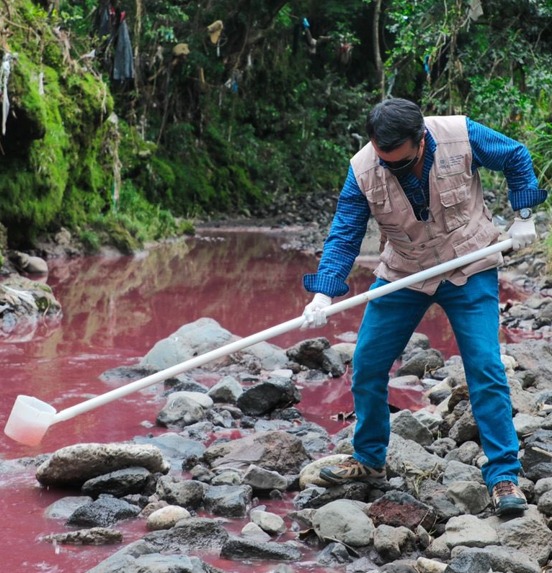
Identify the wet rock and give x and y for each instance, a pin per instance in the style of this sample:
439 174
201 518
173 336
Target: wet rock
277 451
263 480
189 341
28 263
442 447
470 497
534 356
315 497
268 521
180 451
26 306
407 426
421 363
184 409
179 491
73 465
464 429
103 512
407 458
267 396
184 383
318 354
253 531
267 356
92 536
362 565
118 483
491 558
528 533
188 535
537 452
314 437
392 543
435 494
240 549
429 565
401 509
228 501
199 337
345 521
401 566
226 390
139 561
333 555
456 471
227 477
469 531
417 343
466 453
166 517
63 508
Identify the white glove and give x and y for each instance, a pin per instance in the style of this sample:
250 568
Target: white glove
522 232
314 311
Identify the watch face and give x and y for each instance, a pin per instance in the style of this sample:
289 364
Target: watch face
525 213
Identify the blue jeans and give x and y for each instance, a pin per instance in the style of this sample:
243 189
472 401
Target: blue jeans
386 328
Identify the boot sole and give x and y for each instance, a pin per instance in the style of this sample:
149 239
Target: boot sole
511 509
375 482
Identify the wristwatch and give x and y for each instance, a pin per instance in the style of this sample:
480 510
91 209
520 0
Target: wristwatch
525 213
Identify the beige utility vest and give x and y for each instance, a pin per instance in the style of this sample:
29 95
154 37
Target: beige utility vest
460 222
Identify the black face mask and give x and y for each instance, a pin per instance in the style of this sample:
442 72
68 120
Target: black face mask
400 168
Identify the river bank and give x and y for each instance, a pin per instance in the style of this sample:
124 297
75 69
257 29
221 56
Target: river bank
226 423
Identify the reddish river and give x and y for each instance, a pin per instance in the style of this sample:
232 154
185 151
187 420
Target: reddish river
114 310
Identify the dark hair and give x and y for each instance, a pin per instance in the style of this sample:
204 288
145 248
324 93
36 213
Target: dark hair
394 121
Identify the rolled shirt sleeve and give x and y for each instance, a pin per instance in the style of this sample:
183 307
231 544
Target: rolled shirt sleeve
343 243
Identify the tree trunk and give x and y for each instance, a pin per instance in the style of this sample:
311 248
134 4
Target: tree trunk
376 46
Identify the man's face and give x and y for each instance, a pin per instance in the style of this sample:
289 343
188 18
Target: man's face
402 159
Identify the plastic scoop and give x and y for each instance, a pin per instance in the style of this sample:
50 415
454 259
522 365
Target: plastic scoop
30 417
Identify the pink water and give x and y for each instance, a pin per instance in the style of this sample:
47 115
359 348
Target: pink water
114 310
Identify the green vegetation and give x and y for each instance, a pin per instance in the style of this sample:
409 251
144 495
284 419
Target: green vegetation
219 123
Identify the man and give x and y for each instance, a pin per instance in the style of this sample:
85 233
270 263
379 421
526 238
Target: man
418 177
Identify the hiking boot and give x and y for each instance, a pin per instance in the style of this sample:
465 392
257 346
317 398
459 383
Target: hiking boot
351 469
508 498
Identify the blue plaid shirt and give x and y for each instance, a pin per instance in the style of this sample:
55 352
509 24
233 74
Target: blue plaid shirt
490 149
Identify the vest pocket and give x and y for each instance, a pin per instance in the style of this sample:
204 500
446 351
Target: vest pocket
394 233
378 198
456 204
398 262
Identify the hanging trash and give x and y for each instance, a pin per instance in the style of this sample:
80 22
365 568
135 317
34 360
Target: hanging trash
233 82
215 30
115 48
427 67
4 77
181 50
202 82
344 52
476 10
312 43
123 63
103 19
